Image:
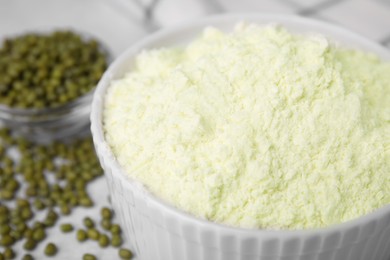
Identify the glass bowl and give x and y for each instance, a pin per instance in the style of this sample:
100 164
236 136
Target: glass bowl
88 18
49 123
58 122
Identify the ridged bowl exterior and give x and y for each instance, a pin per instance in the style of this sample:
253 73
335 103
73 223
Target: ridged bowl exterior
158 231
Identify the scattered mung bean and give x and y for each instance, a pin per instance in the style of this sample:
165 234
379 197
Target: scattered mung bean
81 235
28 257
93 234
88 222
9 253
104 241
89 257
116 241
125 254
51 249
66 228
68 191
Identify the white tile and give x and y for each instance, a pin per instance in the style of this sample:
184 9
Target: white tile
268 6
133 9
116 30
308 3
384 1
369 18
145 3
386 42
317 16
171 12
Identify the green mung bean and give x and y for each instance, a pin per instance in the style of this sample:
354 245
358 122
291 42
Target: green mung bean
28 233
88 222
65 209
7 240
4 229
29 244
106 224
89 257
115 229
39 205
81 235
66 228
104 241
39 234
9 253
116 241
93 234
125 254
106 213
16 234
28 257
22 203
50 249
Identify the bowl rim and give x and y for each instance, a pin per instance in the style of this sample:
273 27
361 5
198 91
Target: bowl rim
104 151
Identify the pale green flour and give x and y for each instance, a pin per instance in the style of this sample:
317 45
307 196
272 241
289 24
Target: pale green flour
258 128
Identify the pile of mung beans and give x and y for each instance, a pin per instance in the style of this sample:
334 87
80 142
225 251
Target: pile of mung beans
50 178
48 70
40 71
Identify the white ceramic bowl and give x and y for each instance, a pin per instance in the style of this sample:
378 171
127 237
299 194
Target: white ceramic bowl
158 231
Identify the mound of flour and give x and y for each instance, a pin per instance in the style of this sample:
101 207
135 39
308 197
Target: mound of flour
258 128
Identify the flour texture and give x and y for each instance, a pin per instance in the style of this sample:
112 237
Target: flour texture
256 128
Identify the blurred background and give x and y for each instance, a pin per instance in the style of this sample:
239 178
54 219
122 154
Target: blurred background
119 23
